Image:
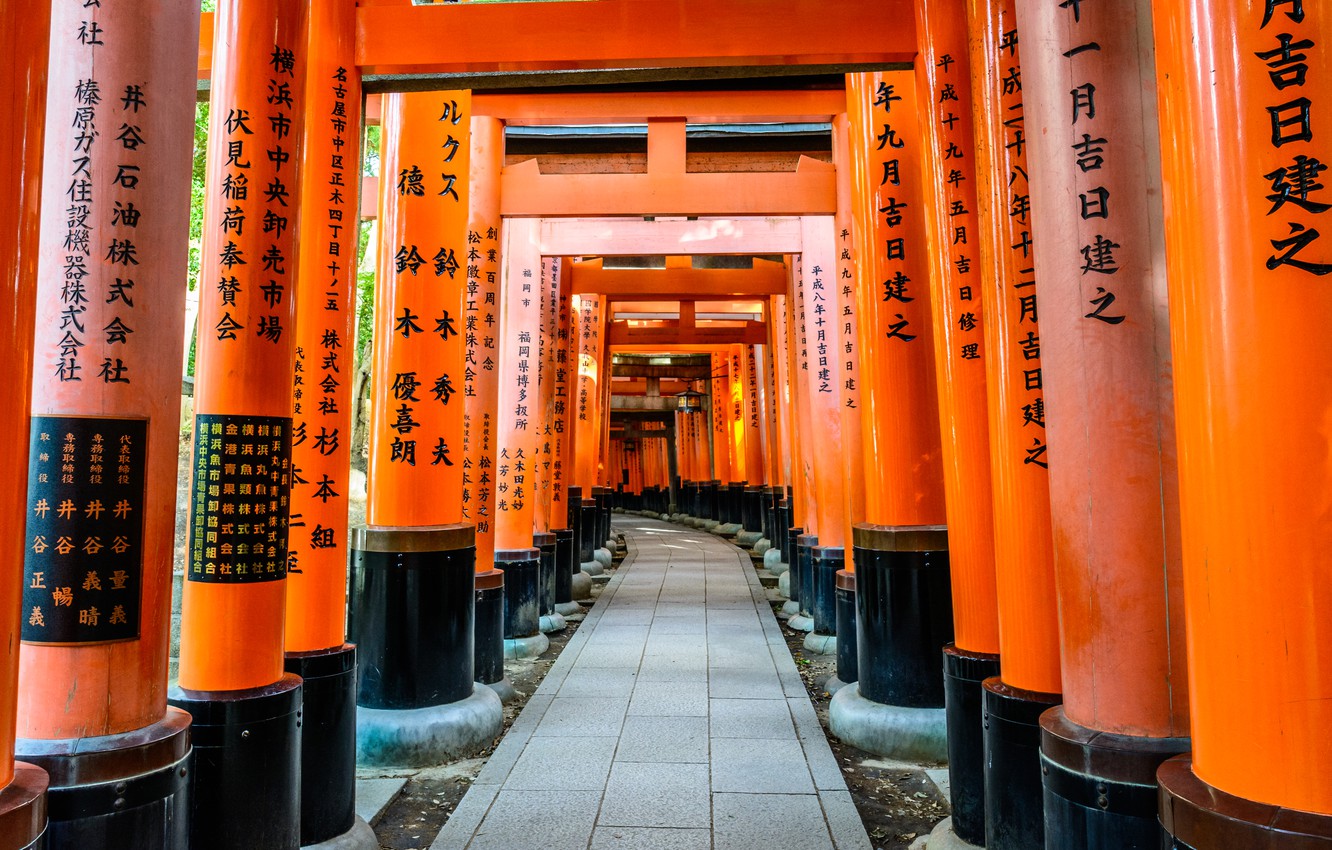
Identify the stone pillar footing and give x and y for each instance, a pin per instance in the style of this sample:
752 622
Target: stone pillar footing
800 623
525 648
23 809
911 734
359 837
817 644
570 609
1100 788
246 769
503 689
1014 797
116 791
1197 816
421 737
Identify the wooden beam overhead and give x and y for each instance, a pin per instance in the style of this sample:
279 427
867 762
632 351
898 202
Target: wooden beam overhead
811 190
671 335
675 284
698 107
632 237
478 38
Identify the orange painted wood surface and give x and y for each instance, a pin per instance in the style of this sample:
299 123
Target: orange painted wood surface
325 335
1246 244
24 40
1024 558
900 435
232 634
1105 334
517 417
943 81
416 423
481 314
857 496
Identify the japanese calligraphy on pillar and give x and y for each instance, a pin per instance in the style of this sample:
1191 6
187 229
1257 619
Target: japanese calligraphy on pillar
721 440
239 499
590 389
894 240
847 322
559 409
1290 173
83 561
321 386
480 333
420 348
1019 289
518 419
544 423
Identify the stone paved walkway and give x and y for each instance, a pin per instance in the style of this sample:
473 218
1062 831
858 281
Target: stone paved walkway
674 719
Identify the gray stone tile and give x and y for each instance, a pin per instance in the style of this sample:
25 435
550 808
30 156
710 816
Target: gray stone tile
650 838
769 821
749 766
466 818
562 764
373 796
600 682
598 654
544 818
676 645
751 718
678 626
664 739
670 699
665 668
823 766
744 683
848 830
583 717
642 794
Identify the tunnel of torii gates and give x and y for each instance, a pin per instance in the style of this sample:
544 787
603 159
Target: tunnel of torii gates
1085 559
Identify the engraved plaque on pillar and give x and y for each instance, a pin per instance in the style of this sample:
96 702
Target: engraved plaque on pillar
241 509
83 558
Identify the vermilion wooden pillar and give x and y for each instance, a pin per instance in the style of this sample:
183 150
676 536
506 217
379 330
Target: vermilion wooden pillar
24 40
943 75
105 432
781 359
586 421
563 507
246 790
1246 222
1019 458
901 550
1089 79
413 564
322 425
480 334
517 421
721 443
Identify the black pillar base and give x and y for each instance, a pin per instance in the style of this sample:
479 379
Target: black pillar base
751 509
1198 816
1100 789
522 591
826 562
904 611
804 575
587 530
847 660
545 543
489 632
117 792
411 615
565 565
246 779
328 741
793 582
1014 807
573 508
23 809
963 674
784 539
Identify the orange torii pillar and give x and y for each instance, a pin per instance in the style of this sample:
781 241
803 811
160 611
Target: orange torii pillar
1029 680
549 516
1107 375
751 516
734 495
96 585
569 585
821 383
772 462
1249 260
588 428
481 394
848 351
903 611
413 562
718 400
25 37
517 419
779 332
246 790
802 535
321 433
944 79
